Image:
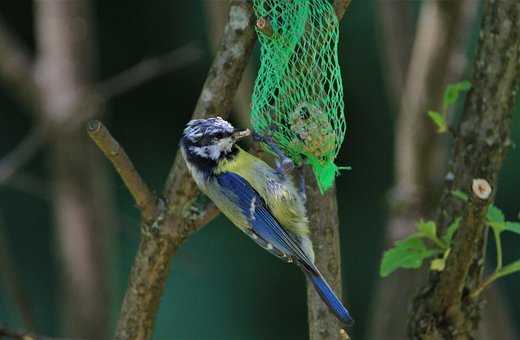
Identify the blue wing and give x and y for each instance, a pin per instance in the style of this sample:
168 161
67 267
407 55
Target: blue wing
262 222
265 226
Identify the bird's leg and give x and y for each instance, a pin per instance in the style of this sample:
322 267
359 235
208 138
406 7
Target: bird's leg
284 165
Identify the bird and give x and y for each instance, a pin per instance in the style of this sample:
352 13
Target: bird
260 200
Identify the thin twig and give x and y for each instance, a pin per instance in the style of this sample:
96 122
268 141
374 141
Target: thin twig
17 70
145 199
21 154
148 69
30 185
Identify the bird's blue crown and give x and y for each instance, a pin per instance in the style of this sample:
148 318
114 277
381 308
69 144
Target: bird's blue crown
197 129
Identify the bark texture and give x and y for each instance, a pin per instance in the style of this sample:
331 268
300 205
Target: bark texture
81 192
178 213
216 12
440 39
324 222
443 309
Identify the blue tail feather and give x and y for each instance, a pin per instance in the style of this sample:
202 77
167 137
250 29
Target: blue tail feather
328 296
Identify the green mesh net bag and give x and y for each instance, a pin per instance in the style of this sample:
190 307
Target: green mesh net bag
298 94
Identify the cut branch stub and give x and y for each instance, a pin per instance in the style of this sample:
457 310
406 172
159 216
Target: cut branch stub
481 188
442 310
264 26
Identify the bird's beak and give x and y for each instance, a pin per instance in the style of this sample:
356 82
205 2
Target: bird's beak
238 134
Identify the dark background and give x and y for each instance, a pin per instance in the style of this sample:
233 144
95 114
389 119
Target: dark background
221 286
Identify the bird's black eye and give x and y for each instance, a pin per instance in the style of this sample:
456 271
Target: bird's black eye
218 135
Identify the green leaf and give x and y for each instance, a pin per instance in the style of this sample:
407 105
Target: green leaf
439 121
513 227
427 228
495 218
495 215
452 92
460 195
408 253
448 235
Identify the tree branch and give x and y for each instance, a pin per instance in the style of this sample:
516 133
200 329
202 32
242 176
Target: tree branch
324 225
21 154
143 196
107 89
216 12
442 29
443 309
176 223
216 98
81 198
148 69
17 70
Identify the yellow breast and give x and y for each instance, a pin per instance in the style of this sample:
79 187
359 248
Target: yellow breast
279 194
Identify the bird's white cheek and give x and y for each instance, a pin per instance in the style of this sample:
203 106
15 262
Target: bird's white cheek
213 151
226 144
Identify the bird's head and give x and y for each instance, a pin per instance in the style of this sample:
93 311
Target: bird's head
210 140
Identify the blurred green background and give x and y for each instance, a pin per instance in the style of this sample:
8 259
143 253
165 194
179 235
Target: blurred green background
221 285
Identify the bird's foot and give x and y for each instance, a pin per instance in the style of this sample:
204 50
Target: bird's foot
284 165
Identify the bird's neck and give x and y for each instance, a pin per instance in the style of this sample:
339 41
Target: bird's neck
208 166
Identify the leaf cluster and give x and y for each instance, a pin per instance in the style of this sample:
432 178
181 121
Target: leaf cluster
450 97
425 243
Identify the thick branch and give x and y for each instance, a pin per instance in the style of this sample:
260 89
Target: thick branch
144 198
441 36
217 12
216 99
324 225
152 261
324 222
443 310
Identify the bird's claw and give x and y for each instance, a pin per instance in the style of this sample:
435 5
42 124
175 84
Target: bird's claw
256 137
285 165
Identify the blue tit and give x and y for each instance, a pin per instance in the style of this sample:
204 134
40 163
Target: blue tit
259 200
